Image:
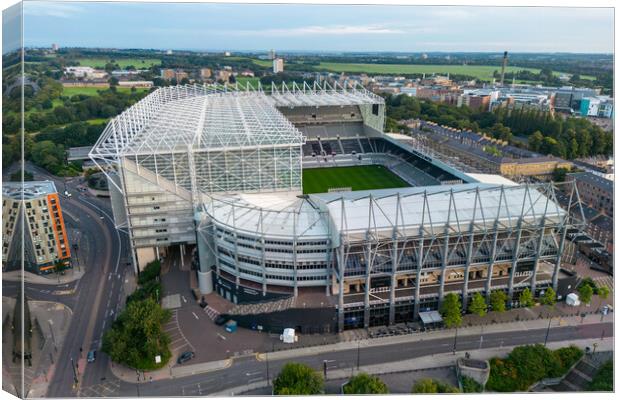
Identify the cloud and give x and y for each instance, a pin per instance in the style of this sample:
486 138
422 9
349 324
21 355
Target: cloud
45 9
334 30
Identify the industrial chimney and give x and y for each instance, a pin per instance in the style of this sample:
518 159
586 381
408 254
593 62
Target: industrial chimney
504 62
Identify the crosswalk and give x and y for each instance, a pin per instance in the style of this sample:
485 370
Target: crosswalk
211 313
105 389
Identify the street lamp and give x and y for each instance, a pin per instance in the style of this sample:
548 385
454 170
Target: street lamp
456 332
548 329
358 355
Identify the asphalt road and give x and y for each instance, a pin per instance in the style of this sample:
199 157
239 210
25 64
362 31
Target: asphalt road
103 254
248 369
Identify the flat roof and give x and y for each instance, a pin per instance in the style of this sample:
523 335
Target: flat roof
29 189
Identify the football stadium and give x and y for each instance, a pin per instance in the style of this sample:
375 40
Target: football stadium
302 212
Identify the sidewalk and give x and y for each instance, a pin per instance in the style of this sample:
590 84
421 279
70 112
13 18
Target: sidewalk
421 363
51 279
170 372
439 334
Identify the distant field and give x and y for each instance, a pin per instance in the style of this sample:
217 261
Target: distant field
482 72
92 91
319 180
243 81
139 63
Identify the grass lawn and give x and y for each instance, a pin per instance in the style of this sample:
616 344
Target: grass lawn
482 72
139 63
93 91
366 177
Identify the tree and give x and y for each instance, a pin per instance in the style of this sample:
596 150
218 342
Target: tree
48 155
451 310
535 141
428 385
549 298
365 384
498 300
297 379
136 336
585 293
603 292
526 299
58 267
478 305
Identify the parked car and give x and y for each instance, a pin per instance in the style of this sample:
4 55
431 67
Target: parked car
92 355
185 357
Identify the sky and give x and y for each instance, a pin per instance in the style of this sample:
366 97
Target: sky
238 27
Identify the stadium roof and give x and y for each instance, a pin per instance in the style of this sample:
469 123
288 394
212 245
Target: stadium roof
215 117
380 212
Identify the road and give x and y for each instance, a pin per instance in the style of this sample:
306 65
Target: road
96 300
248 369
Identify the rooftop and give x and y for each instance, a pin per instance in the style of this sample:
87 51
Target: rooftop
30 190
594 180
212 117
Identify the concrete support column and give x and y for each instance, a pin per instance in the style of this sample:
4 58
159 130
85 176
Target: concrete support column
341 266
416 304
537 258
470 250
393 280
491 263
367 288
182 253
444 264
558 261
515 258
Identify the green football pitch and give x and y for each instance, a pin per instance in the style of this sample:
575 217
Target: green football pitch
366 177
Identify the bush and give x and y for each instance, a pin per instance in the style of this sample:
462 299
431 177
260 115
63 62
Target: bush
151 289
470 385
526 365
428 385
297 379
150 272
603 381
365 384
568 356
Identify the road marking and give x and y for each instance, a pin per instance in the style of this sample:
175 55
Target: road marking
260 378
195 316
253 373
184 301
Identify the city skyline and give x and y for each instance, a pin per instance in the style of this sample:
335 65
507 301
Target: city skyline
254 27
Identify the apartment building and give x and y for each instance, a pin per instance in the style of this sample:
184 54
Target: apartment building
595 191
45 238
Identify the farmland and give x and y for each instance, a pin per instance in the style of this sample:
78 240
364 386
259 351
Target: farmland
482 72
139 63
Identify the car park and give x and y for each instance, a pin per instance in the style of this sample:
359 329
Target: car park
185 357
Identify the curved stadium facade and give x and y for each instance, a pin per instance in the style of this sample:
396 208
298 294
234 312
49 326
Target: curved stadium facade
221 170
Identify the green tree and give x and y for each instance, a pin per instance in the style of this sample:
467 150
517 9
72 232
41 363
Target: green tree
585 293
603 381
535 141
549 298
478 305
297 379
498 300
136 336
48 155
428 385
603 292
365 384
451 310
526 299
